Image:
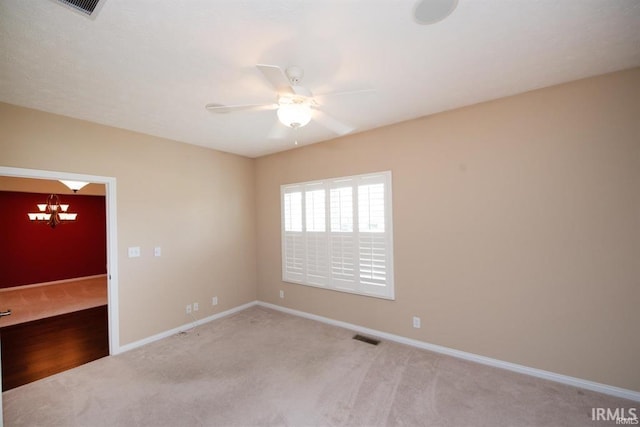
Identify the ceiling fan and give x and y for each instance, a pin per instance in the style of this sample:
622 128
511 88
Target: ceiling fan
295 104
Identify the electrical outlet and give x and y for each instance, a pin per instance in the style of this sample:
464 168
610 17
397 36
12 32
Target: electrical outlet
214 301
281 294
188 309
195 306
416 322
157 251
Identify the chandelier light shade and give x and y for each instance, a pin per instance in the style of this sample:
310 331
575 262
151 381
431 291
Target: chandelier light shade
73 185
294 115
53 212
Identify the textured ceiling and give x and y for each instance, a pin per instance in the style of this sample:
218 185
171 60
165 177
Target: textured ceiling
152 65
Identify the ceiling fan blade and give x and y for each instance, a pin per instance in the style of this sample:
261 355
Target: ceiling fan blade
332 123
278 131
276 77
223 109
347 92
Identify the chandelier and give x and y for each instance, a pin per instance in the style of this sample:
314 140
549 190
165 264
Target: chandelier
53 212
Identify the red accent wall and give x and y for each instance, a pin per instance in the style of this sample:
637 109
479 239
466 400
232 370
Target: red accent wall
32 252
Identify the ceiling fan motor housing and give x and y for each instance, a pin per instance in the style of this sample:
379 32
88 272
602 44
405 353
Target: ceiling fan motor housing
294 74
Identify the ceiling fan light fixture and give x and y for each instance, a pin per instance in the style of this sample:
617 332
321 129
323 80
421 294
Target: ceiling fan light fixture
294 115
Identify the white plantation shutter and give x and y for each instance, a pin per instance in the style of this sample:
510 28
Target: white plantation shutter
372 253
292 208
343 260
316 236
337 234
317 258
372 244
292 237
371 206
342 241
342 208
315 208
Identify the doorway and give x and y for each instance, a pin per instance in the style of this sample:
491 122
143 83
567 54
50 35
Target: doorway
111 238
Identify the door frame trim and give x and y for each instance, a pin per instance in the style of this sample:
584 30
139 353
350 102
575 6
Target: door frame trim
112 236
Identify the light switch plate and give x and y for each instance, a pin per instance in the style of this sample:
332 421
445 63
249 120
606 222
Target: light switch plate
134 251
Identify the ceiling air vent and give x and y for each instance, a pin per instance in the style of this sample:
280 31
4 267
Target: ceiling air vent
88 7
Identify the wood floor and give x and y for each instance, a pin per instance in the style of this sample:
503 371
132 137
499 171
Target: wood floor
37 349
52 328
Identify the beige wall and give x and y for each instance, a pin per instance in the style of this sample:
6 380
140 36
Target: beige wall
197 204
517 223
517 228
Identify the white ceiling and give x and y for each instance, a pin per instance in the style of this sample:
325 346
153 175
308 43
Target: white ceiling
152 65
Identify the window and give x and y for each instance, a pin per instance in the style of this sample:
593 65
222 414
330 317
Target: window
337 234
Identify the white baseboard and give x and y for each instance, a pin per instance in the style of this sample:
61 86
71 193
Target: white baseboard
534 372
184 327
539 373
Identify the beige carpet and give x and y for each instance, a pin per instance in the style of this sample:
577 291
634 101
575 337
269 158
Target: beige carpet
262 367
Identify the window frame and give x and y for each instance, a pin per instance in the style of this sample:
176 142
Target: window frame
296 267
